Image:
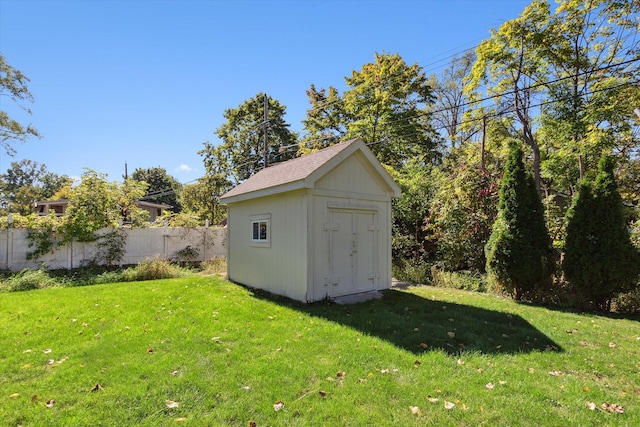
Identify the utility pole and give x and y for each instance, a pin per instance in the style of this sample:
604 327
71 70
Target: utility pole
482 147
265 125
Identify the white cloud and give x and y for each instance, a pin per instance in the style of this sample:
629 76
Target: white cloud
185 168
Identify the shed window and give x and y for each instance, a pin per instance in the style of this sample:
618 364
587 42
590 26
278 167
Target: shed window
261 230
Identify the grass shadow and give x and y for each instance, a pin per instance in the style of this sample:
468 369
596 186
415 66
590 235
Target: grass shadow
419 324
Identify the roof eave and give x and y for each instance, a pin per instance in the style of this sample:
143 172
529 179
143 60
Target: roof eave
289 186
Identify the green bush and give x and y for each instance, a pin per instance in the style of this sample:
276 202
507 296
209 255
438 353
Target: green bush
27 280
152 269
627 302
406 270
464 279
216 265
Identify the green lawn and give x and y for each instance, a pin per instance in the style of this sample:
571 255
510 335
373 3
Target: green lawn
202 351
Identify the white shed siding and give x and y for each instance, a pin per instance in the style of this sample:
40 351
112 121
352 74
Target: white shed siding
354 175
282 266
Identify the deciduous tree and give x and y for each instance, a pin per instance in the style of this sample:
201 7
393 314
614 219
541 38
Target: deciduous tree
509 65
385 104
13 85
451 102
591 48
327 119
162 187
242 151
97 203
27 181
201 199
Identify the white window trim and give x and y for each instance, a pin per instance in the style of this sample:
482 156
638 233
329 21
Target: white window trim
261 219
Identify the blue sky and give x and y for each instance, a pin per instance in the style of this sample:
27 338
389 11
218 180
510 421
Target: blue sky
147 82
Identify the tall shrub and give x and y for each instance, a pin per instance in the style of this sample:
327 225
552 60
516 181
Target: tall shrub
519 249
600 260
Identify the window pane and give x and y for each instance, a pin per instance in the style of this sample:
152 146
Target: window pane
255 231
263 231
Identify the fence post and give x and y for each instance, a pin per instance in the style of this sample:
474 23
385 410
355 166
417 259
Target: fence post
204 240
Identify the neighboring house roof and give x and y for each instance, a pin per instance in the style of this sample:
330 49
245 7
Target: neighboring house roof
142 204
302 172
65 202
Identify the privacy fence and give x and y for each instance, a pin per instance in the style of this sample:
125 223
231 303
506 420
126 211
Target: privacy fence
172 243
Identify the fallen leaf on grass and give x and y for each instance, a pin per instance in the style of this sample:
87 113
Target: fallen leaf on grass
150 350
341 374
591 406
47 351
97 387
423 345
556 373
612 345
252 424
451 334
180 420
322 393
278 405
612 407
416 363
433 399
27 351
14 395
460 362
50 403
489 386
171 404
414 410
449 405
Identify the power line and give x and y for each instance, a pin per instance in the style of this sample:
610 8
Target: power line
512 92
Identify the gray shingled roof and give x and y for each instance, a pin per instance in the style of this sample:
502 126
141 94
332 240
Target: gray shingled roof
289 171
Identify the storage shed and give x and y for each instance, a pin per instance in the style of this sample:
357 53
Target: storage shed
315 227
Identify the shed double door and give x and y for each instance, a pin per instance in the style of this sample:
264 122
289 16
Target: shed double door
352 251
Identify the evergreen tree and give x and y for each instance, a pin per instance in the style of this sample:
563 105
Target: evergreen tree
600 260
519 249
